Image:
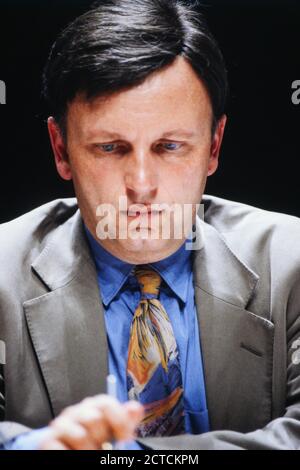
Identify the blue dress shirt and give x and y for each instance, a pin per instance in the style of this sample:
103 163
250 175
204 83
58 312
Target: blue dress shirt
120 295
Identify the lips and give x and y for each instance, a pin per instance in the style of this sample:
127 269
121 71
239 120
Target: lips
142 213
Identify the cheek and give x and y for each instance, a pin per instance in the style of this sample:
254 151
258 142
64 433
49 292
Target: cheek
92 174
189 178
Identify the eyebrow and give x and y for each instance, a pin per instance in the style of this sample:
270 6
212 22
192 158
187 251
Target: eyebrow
180 132
115 135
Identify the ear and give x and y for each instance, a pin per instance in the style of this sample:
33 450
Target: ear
59 149
216 145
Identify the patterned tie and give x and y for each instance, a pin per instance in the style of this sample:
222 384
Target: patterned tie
153 369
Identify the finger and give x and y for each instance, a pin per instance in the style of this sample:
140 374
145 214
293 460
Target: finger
91 418
52 444
95 420
135 412
119 422
72 434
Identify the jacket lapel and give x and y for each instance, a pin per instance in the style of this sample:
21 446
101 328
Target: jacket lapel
67 323
236 343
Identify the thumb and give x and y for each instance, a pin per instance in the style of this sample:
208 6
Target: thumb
135 411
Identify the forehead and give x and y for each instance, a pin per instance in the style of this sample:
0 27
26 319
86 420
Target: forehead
168 98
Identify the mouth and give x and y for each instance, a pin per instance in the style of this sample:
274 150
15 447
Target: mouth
148 213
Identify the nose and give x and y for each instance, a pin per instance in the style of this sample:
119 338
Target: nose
141 176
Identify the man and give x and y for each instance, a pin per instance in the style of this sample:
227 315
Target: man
205 339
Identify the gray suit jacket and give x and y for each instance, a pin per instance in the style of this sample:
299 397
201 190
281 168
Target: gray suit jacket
247 293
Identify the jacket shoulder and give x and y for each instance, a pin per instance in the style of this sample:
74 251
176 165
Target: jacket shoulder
27 234
256 235
226 215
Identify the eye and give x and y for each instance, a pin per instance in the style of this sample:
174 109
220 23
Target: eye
111 148
107 148
170 146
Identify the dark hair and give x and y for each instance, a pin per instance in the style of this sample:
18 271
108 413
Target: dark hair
119 43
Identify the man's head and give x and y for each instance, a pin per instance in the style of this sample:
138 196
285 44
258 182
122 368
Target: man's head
137 90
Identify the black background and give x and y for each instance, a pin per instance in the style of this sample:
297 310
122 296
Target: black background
260 157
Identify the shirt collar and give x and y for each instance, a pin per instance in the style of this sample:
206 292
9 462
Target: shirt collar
114 272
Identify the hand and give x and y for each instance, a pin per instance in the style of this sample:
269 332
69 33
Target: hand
91 423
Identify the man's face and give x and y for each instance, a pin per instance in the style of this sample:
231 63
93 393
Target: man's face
151 144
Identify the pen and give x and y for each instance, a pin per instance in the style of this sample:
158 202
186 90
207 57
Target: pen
111 386
111 390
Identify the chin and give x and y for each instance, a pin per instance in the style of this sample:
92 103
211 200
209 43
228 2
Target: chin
142 251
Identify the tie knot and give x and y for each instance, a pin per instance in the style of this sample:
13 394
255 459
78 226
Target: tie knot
149 281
